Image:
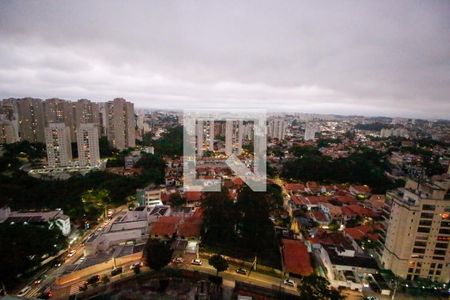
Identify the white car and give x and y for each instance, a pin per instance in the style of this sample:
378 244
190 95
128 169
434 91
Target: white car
71 253
196 262
23 291
178 260
289 282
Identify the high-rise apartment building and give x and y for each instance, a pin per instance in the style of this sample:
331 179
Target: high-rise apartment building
233 137
61 111
86 112
121 123
276 128
31 119
310 131
58 143
8 134
417 231
87 143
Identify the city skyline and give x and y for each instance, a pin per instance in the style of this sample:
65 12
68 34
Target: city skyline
370 59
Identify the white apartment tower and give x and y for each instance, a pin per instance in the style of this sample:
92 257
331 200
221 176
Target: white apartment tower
310 131
277 128
121 123
415 241
87 142
233 137
59 150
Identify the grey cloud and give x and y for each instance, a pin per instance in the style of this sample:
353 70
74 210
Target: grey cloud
374 58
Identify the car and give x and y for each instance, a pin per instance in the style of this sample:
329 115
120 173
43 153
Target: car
82 258
23 291
241 271
197 262
289 282
178 260
37 281
116 271
57 264
46 295
135 265
93 279
71 253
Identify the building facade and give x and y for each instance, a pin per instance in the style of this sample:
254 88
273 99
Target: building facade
276 129
88 146
417 231
121 123
31 120
58 144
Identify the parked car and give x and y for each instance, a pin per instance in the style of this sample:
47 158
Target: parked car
178 260
197 262
116 271
23 291
93 279
241 271
135 265
289 282
71 253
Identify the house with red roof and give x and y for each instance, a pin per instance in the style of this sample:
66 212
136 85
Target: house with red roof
362 191
354 210
165 227
319 217
193 196
362 232
296 259
294 187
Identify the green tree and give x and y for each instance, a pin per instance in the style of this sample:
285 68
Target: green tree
218 262
157 254
220 218
176 200
23 246
95 201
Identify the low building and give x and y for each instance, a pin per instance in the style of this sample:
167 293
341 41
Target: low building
129 227
296 259
47 218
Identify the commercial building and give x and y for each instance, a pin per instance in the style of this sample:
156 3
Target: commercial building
417 234
58 144
88 147
276 128
31 120
120 123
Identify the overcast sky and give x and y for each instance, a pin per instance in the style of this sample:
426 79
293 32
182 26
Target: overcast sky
387 58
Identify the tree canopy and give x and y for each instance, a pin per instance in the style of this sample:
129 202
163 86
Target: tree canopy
218 262
157 254
22 247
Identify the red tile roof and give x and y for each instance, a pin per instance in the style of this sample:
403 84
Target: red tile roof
165 226
191 227
356 210
346 199
296 258
294 187
192 196
360 232
319 216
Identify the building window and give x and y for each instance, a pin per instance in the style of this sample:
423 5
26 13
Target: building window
428 207
425 215
423 229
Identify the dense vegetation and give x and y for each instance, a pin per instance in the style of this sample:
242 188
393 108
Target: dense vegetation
20 191
242 229
170 143
365 167
22 247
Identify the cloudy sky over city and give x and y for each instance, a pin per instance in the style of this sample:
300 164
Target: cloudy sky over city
387 58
